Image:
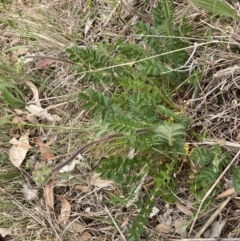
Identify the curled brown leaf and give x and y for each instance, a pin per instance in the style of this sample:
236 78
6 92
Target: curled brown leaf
65 210
44 149
48 195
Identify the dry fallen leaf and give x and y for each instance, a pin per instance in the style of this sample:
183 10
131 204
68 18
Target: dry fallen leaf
42 113
125 223
35 92
44 63
17 119
19 149
26 115
78 160
19 142
4 232
77 227
88 25
65 210
21 51
164 228
81 188
227 193
23 116
73 226
48 195
180 227
30 118
44 149
184 209
167 217
97 181
20 112
154 212
215 230
85 236
70 166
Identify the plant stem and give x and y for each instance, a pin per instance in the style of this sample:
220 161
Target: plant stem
84 147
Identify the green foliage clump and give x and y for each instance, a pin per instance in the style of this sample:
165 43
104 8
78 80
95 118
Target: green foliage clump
140 79
41 175
10 92
236 180
210 163
140 107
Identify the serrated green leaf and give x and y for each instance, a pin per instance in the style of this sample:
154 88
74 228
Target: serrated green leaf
219 7
83 96
96 110
217 150
105 113
201 156
236 178
115 199
170 133
88 105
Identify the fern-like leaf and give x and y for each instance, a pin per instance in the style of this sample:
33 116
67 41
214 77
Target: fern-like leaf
170 133
201 156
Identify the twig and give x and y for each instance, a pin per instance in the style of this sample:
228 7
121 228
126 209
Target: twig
136 12
211 189
84 147
130 63
213 142
115 224
48 57
211 219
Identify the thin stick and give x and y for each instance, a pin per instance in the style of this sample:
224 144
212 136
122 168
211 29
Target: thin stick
49 57
211 219
115 224
136 12
84 147
211 189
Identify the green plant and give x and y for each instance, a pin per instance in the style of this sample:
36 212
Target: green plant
209 163
140 108
10 92
236 180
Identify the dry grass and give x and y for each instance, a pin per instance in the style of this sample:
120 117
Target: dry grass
48 28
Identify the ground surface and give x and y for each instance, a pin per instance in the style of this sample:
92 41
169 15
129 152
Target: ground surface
75 204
